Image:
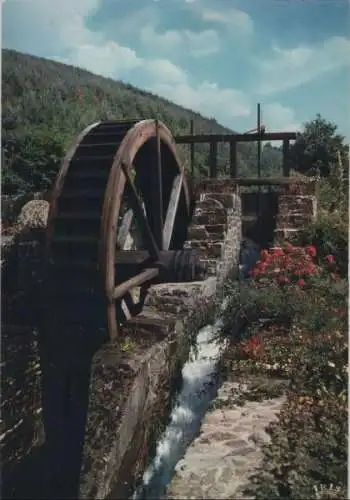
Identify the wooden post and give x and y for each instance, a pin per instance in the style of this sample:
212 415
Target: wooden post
259 141
192 149
213 157
286 164
233 159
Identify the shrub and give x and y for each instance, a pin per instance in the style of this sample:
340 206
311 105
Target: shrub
329 233
296 327
308 449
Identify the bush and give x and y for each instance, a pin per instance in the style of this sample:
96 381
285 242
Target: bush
295 311
31 162
329 233
308 449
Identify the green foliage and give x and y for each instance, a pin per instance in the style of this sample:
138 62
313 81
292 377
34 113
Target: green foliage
32 160
330 233
303 338
316 148
272 160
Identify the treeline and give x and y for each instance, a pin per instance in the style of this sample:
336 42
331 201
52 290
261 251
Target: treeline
47 104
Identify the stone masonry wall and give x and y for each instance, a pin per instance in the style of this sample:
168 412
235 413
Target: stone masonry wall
295 212
219 200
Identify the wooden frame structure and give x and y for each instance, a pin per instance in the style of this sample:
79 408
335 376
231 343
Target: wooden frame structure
233 139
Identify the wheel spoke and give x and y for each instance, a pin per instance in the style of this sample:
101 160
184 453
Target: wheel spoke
172 211
157 191
141 216
138 280
124 228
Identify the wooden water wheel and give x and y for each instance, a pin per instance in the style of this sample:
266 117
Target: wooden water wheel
118 219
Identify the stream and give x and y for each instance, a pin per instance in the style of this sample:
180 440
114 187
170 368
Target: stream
200 383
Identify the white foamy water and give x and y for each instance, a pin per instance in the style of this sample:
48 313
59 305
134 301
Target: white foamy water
199 386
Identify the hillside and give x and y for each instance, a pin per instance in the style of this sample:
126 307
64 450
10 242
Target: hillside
46 104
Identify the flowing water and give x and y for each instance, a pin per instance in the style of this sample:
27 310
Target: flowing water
199 386
200 383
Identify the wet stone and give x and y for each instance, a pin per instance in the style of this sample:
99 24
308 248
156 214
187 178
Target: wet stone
220 461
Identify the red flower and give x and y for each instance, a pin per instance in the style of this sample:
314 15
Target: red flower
278 253
301 282
330 259
311 250
264 255
309 270
254 340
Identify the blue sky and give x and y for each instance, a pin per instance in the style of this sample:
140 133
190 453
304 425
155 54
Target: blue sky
218 57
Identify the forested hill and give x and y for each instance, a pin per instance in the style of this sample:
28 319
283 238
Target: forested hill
46 104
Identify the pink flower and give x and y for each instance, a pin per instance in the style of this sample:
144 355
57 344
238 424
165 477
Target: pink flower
301 282
264 255
330 259
311 250
309 270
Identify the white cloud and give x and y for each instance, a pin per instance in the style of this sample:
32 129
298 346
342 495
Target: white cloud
164 70
291 68
37 25
237 20
208 98
198 44
109 59
277 117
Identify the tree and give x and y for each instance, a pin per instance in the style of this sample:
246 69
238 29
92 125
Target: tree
30 162
316 148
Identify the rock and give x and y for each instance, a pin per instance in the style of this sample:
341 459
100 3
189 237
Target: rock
219 462
33 215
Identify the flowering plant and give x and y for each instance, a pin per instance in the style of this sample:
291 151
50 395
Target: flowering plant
290 264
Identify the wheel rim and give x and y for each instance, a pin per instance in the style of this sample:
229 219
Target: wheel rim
127 160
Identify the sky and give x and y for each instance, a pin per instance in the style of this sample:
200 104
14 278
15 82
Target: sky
218 57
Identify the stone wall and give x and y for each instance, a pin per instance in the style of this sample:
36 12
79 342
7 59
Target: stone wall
121 389
295 212
21 407
219 200
279 210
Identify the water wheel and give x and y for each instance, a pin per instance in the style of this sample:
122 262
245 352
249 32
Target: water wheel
118 218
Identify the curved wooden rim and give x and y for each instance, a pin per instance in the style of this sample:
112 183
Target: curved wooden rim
135 138
58 186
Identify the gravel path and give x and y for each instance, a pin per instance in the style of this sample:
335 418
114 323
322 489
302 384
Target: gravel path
219 462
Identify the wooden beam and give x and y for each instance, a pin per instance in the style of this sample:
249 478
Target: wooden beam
286 164
207 138
124 228
192 149
233 158
172 211
268 181
157 195
137 280
140 215
213 159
